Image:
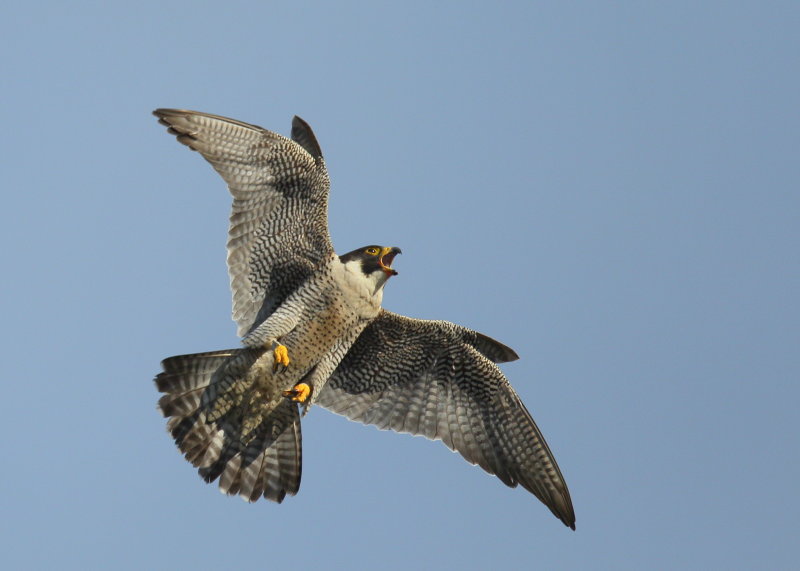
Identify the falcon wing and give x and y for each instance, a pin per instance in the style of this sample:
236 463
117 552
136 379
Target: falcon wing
278 230
439 380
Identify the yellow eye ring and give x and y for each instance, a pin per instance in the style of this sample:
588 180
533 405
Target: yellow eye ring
372 251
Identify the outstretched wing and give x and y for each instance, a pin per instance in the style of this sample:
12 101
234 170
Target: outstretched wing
439 380
278 230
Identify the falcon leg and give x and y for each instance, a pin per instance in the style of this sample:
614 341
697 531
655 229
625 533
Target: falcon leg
299 393
275 327
281 357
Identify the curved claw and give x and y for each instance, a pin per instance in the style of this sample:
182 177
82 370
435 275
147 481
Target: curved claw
299 393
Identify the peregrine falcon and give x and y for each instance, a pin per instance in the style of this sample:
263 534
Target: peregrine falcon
313 331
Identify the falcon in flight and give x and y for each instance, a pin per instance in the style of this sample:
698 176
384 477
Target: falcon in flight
313 332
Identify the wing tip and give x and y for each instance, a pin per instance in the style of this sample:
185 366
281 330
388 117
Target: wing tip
166 117
562 509
569 519
303 135
493 349
163 112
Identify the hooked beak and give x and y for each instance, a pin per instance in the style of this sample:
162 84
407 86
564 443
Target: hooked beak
387 256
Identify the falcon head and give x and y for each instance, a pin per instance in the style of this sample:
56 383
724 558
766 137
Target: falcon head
375 262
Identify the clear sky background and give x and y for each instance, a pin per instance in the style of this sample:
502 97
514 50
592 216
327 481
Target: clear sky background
611 189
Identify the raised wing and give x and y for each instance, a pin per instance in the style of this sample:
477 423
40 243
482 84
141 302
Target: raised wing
438 380
278 230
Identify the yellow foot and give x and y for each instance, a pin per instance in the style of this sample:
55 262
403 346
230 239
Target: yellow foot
299 393
281 356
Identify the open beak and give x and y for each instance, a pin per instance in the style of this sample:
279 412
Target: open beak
387 256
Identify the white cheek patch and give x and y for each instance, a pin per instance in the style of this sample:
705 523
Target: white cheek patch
353 274
353 267
356 279
364 286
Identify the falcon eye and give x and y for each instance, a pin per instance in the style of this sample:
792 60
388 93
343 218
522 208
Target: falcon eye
372 251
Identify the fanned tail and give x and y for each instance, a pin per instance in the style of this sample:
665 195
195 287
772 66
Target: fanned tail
227 428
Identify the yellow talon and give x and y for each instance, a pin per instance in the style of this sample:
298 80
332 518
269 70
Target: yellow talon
281 356
299 393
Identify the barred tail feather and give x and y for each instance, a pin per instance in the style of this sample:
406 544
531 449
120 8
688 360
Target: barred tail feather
209 426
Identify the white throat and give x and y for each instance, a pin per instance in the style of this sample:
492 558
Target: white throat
364 293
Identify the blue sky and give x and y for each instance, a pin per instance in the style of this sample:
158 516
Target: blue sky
610 189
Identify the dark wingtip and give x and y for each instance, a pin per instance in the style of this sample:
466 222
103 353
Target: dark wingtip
162 112
567 516
510 354
570 521
493 349
304 136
